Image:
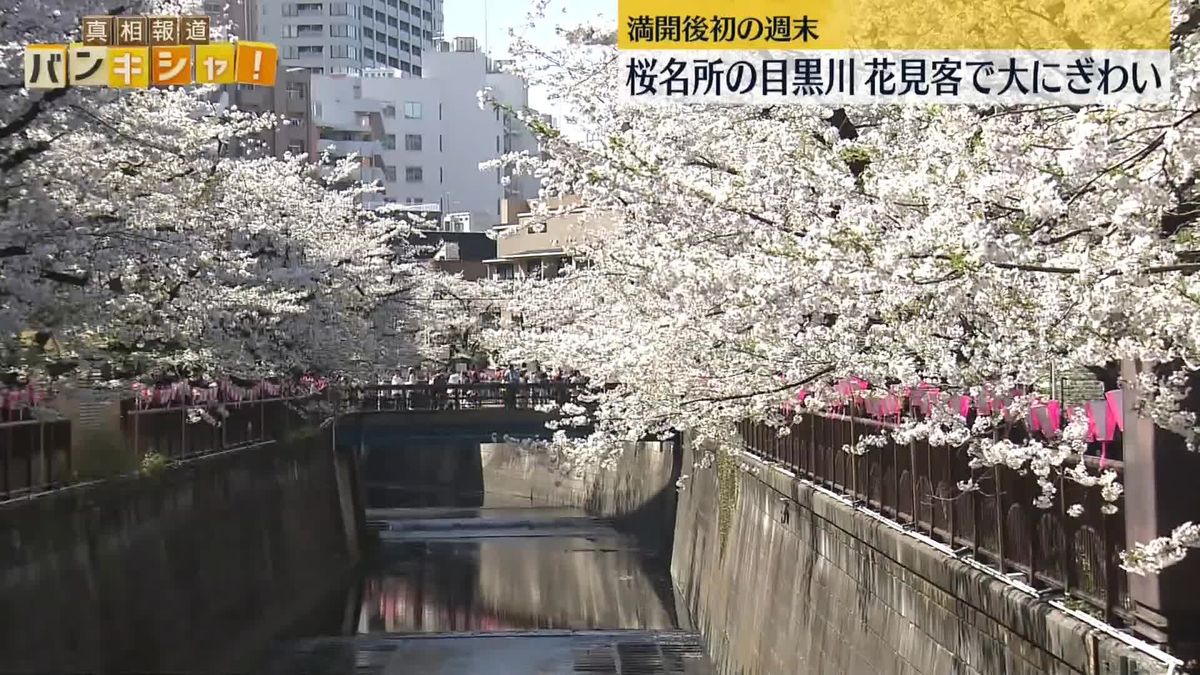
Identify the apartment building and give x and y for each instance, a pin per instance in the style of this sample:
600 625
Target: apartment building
346 37
426 136
289 98
539 247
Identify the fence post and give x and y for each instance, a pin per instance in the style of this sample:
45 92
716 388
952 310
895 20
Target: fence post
1160 494
8 463
43 463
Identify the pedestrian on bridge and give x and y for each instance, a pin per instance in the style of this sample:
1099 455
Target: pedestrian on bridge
512 384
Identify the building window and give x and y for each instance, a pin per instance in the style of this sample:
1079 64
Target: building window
393 62
368 34
441 175
310 50
389 142
405 67
392 42
416 70
404 6
341 30
364 120
295 91
416 50
391 21
367 13
304 30
316 70
404 27
295 120
497 144
413 174
309 8
296 147
504 271
412 142
341 9
412 110
290 52
389 173
440 148
345 52
368 54
290 9
389 111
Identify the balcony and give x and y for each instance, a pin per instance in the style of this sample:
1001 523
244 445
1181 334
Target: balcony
344 148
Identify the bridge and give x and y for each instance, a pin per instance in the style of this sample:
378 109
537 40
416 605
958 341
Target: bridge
393 529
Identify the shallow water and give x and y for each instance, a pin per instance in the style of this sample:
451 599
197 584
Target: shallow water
501 590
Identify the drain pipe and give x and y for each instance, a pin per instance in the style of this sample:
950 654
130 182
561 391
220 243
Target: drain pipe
1172 662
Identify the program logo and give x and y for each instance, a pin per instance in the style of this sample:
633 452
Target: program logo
136 52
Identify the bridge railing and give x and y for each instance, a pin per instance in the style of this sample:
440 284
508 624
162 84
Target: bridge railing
426 397
915 485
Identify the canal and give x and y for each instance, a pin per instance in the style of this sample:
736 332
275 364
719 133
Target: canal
506 587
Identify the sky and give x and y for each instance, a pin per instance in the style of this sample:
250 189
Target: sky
490 20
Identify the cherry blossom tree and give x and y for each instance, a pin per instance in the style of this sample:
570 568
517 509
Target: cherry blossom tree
447 315
134 225
764 249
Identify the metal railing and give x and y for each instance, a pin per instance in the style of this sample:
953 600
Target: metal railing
34 456
915 485
427 397
173 433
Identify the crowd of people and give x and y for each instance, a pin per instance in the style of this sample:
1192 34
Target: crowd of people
540 384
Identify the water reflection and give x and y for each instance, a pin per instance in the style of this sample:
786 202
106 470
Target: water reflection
468 581
560 571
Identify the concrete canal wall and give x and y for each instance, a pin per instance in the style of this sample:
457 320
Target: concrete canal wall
781 578
454 460
642 474
188 570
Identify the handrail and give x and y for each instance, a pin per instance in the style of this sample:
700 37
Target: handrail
915 486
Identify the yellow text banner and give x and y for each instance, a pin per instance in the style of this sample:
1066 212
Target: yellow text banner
746 25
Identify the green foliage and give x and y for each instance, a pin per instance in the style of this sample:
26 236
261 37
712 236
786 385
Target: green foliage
727 495
852 155
153 465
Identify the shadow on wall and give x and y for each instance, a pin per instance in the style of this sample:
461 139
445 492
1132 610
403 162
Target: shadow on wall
191 570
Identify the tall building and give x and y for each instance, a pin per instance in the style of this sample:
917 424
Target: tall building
338 38
234 18
426 136
289 98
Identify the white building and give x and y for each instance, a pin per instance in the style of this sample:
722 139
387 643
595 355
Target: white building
426 137
348 36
